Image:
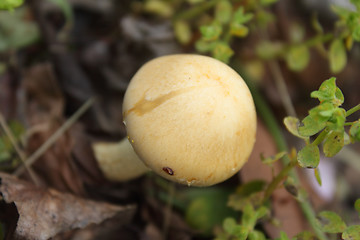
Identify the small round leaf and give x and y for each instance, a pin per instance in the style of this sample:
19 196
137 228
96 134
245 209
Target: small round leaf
351 233
334 142
309 156
298 58
337 56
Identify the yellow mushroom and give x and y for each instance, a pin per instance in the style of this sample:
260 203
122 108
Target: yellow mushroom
190 119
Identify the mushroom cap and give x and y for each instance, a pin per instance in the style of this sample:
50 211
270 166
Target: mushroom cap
190 118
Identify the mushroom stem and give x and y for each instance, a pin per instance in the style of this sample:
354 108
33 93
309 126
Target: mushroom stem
118 161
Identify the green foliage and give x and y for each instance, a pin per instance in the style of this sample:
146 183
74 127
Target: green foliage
337 56
10 4
182 31
330 222
309 156
355 131
333 143
351 233
328 120
15 31
223 11
207 208
357 206
297 58
8 157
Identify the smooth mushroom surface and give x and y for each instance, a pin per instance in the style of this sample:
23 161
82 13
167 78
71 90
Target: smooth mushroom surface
190 118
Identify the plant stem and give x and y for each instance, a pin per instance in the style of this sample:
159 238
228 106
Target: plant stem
352 110
274 129
53 138
320 137
277 180
282 88
19 152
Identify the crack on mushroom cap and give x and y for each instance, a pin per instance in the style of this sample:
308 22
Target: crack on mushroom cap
144 106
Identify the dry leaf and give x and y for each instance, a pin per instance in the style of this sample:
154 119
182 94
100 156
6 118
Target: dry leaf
44 213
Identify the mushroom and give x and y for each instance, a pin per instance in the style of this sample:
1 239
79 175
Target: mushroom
190 119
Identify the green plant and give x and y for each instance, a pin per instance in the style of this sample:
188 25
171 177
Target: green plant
328 122
8 157
10 4
218 27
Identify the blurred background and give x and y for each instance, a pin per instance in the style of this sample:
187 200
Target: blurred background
55 55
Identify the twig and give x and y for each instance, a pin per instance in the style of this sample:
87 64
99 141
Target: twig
53 138
19 152
282 89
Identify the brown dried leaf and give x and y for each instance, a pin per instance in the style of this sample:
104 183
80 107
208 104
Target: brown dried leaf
44 213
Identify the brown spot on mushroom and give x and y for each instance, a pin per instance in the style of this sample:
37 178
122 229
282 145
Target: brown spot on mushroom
168 170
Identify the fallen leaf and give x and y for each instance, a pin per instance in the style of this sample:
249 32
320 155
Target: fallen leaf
44 213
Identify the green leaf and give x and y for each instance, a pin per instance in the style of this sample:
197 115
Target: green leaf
205 46
238 202
355 131
337 56
306 235
333 143
4 156
262 212
309 156
256 235
231 227
161 8
239 30
351 233
356 33
316 24
10 4
318 176
328 91
211 32
317 119
182 31
17 32
297 58
267 2
292 125
240 17
330 222
248 217
357 206
356 3
297 33
272 159
269 50
208 209
251 187
283 236
222 52
223 11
